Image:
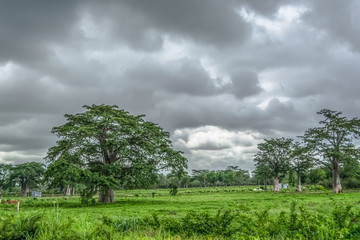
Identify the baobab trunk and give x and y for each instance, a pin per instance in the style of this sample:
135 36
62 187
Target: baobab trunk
106 196
24 189
299 182
67 192
336 179
276 184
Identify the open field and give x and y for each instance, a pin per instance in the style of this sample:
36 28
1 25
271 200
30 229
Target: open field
156 214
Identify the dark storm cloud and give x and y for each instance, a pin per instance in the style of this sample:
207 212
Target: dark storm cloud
142 24
267 8
245 84
213 22
185 76
28 27
339 18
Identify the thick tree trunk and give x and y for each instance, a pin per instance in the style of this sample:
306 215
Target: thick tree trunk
336 185
276 184
107 196
299 182
0 191
67 192
24 190
73 191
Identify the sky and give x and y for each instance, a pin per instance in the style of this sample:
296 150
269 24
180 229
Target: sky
220 76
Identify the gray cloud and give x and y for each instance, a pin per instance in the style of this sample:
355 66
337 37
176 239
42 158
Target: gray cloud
244 84
27 28
217 68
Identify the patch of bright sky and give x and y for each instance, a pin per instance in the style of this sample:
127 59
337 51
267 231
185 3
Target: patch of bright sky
7 70
176 50
91 29
171 51
277 26
3 156
220 80
272 86
218 136
231 145
265 103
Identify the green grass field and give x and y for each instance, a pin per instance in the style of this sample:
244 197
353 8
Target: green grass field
155 214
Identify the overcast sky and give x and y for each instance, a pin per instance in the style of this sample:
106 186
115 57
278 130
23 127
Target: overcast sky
220 76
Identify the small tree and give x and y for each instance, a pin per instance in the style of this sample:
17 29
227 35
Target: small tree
200 175
274 154
263 172
66 171
300 162
27 175
332 143
116 149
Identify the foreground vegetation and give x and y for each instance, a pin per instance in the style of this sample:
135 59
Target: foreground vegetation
207 213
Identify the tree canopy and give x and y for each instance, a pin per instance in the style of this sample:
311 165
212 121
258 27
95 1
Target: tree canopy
332 142
28 175
274 154
115 148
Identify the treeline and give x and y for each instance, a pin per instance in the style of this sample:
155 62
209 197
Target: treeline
23 178
231 176
33 176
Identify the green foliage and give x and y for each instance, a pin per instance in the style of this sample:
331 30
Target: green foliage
274 157
67 170
332 142
193 214
27 175
21 226
86 196
115 148
173 189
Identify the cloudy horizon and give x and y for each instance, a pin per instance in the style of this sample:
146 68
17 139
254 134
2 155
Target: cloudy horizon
220 76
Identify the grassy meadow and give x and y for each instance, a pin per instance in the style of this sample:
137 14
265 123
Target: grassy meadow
195 213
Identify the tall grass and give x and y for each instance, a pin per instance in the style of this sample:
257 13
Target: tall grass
296 222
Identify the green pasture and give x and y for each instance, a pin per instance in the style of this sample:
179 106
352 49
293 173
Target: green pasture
141 203
132 205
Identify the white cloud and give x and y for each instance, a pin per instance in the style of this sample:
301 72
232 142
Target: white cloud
215 146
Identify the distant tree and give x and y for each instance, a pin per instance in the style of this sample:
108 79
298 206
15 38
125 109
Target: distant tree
229 177
185 180
211 177
66 171
263 172
27 175
241 175
332 143
274 154
115 149
316 175
350 173
300 162
200 175
163 181
4 175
